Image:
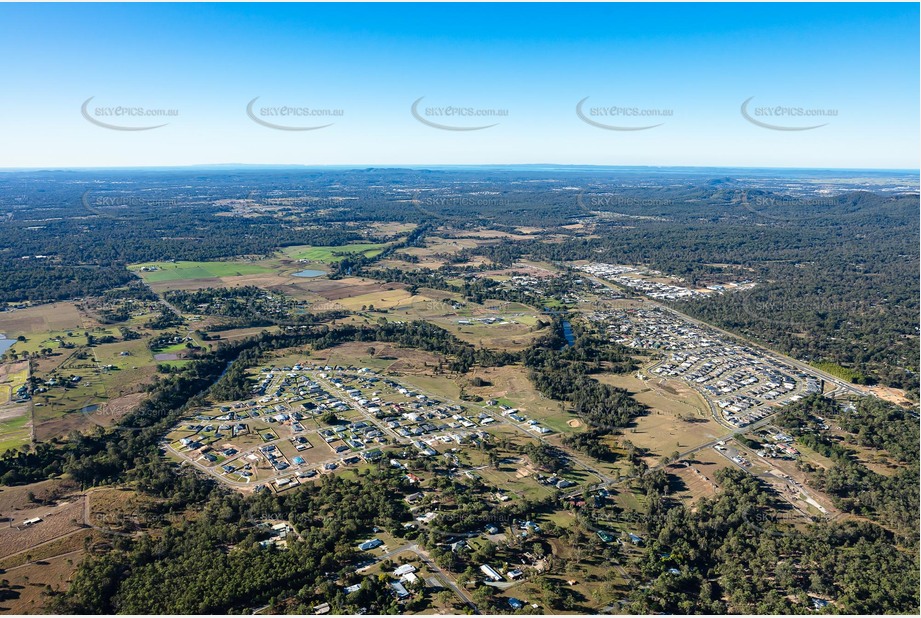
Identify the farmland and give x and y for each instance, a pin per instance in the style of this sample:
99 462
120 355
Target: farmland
88 374
157 272
327 255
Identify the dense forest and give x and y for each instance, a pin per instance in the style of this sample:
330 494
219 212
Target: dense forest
728 558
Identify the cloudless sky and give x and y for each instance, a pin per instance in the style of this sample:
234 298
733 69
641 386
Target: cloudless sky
698 62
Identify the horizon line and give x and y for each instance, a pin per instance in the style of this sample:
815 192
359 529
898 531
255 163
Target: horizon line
357 166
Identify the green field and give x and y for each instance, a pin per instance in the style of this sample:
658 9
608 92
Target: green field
329 254
848 375
175 271
38 341
14 432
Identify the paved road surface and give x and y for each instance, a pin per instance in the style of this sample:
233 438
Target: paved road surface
427 560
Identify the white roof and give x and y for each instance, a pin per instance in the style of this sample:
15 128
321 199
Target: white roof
404 569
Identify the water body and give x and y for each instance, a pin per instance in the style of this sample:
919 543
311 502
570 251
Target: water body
226 368
309 273
567 333
5 344
89 409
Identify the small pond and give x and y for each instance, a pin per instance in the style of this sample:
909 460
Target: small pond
309 273
567 333
5 344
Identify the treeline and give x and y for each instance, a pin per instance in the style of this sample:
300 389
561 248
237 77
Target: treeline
44 281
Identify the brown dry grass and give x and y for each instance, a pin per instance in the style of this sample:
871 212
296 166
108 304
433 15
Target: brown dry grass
512 382
28 582
17 498
57 521
386 356
55 316
678 416
61 426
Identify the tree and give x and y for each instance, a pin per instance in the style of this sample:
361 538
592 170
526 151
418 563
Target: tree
445 598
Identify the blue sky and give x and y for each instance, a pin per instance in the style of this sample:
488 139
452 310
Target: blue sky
689 65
